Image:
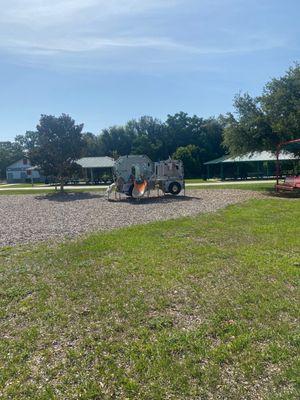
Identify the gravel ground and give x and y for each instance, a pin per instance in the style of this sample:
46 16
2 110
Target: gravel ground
30 218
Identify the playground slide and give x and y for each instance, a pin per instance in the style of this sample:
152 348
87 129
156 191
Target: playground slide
139 189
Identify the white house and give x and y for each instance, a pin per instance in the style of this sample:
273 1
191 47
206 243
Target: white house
22 171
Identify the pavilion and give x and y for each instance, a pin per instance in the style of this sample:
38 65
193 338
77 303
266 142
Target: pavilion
252 165
94 167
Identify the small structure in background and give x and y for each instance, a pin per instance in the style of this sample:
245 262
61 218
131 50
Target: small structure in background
97 169
256 165
292 182
22 171
136 175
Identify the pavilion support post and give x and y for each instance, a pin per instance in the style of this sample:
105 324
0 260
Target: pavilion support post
207 174
92 175
277 167
222 171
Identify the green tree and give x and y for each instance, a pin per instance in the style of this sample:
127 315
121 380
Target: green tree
148 137
92 145
28 140
159 140
261 123
9 153
190 155
55 146
183 130
116 140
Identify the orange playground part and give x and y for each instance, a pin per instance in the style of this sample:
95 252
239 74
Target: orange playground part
139 189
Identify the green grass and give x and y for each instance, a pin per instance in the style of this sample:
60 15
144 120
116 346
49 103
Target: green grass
25 185
264 186
195 180
196 308
267 186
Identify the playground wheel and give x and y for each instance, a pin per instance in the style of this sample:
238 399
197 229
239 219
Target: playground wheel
174 188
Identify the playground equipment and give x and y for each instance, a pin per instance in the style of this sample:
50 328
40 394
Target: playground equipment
291 183
136 175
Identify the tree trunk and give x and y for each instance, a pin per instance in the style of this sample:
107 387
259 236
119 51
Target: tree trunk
62 184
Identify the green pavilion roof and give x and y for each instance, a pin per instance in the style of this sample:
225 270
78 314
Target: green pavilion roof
254 157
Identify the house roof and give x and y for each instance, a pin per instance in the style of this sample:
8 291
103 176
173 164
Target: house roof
96 162
20 161
257 156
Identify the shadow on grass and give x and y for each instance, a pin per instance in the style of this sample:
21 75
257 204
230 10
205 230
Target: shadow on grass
283 195
68 197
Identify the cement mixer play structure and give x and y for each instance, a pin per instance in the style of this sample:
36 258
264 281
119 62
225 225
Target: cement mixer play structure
136 175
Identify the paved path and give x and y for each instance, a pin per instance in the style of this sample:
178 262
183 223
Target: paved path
88 187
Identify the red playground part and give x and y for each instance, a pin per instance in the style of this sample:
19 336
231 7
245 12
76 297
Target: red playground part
291 183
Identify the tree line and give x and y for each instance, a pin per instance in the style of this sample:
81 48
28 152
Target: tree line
180 136
257 124
59 141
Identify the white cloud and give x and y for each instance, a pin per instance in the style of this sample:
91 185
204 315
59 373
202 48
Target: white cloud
47 13
105 29
90 44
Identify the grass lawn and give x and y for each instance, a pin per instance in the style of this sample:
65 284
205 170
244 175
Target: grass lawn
195 180
24 185
197 308
266 186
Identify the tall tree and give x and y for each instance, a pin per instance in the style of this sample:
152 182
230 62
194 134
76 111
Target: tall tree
205 133
191 156
261 123
148 137
9 153
159 140
116 140
92 145
55 146
28 140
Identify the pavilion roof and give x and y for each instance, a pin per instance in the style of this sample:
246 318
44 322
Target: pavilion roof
254 157
96 162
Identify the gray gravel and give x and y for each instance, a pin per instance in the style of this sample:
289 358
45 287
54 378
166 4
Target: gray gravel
31 218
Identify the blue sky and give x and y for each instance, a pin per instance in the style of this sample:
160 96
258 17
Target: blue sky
107 61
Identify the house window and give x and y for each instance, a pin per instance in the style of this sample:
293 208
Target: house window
25 161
